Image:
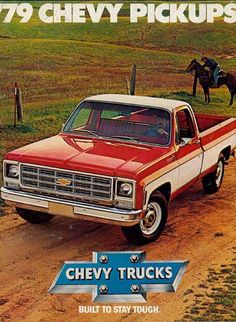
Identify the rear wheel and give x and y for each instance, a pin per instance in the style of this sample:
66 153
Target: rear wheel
34 217
212 181
152 225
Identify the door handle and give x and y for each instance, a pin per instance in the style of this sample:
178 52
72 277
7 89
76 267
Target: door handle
171 158
196 141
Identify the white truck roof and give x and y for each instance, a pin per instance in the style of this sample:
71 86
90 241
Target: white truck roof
153 102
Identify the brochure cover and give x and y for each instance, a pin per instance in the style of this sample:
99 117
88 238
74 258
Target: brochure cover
117 145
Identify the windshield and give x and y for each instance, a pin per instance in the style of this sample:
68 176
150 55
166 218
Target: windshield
119 121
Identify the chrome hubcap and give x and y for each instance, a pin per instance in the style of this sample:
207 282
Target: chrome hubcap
152 220
219 172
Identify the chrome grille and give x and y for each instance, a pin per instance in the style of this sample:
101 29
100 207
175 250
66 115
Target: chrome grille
80 186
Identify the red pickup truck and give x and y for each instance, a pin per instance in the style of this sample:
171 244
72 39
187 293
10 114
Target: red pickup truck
120 160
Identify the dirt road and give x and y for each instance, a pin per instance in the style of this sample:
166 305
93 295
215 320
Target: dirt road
200 229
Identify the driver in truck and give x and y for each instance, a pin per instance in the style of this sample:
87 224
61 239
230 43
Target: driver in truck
162 126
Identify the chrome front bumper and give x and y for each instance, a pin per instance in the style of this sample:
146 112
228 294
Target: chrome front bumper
72 209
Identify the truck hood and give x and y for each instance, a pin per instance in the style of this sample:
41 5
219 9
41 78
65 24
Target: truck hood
92 155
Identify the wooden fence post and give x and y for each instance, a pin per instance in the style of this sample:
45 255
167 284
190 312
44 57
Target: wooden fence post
127 85
194 92
18 109
14 117
133 80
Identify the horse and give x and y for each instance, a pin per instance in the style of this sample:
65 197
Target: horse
205 80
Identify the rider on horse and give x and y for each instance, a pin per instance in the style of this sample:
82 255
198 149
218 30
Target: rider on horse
214 68
205 79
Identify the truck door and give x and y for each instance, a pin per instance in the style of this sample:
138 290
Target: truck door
189 152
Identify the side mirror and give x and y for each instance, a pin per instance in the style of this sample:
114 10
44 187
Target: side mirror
185 141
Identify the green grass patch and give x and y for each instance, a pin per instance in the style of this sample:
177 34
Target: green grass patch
219 304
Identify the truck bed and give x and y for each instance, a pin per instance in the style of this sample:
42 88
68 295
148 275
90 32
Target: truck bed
206 121
215 131
214 128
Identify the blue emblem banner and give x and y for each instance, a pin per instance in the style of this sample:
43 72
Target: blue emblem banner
119 277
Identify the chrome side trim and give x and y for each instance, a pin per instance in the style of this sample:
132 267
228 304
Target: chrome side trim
67 208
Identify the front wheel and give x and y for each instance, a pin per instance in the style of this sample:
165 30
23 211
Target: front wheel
34 217
212 181
152 225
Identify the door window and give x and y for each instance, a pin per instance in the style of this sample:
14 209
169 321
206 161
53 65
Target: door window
185 128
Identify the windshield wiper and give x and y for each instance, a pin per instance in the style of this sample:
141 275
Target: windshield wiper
86 131
127 138
124 138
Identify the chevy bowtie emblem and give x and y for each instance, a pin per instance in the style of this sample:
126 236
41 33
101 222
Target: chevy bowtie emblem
63 182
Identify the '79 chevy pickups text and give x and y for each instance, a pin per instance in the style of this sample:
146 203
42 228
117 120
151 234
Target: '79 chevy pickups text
120 160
